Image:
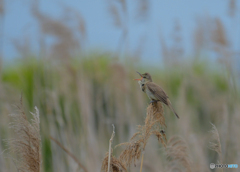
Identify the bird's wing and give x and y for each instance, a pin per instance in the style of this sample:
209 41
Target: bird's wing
158 92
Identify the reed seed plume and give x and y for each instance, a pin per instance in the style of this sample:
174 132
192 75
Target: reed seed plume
131 153
143 9
27 142
215 143
67 36
155 111
115 164
177 155
153 123
232 7
110 163
218 33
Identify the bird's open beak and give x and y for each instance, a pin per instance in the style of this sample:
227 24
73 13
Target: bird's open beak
140 78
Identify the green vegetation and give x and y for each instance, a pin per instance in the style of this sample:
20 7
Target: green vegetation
79 101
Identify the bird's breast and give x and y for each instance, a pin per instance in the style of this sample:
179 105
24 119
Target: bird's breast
150 94
145 89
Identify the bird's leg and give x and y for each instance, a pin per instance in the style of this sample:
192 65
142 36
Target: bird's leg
152 101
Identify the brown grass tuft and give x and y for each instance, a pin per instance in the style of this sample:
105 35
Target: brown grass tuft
177 155
27 142
131 153
153 123
155 111
215 143
115 165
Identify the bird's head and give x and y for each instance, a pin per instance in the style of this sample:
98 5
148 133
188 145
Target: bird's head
146 77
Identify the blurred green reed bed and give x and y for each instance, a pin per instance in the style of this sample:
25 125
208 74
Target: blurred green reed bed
79 100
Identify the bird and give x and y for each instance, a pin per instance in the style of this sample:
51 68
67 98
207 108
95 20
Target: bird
154 91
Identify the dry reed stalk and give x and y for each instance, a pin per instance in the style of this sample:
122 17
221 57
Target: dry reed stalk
215 144
142 162
70 154
177 155
110 163
153 123
110 148
27 142
116 164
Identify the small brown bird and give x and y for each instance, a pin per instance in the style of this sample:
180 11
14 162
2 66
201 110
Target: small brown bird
154 92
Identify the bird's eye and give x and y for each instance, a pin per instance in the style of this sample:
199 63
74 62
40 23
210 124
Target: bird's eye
142 85
144 77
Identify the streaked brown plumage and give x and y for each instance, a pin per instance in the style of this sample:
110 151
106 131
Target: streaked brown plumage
154 91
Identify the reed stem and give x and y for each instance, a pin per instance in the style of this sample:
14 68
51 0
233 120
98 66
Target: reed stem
110 148
142 161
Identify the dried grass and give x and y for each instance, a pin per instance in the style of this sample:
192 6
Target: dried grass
136 146
118 11
218 33
27 142
155 112
153 123
177 155
131 153
115 165
67 39
110 163
215 143
67 118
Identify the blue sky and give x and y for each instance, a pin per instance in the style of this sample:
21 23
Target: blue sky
103 35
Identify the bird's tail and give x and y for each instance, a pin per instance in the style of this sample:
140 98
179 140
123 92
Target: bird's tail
172 109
